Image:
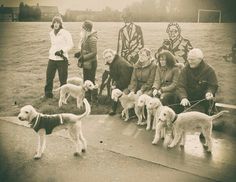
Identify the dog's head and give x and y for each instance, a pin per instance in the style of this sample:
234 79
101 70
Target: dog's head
153 103
27 113
142 100
88 85
115 94
167 115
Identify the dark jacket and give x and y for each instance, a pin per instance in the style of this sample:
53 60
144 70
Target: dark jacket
89 48
166 79
143 77
121 72
194 83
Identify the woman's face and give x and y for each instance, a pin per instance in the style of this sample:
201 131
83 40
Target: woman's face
173 32
109 57
82 33
162 60
56 25
143 57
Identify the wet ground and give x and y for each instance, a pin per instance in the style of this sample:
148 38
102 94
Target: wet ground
117 151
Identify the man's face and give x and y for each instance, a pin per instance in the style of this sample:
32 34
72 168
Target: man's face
56 25
173 32
143 57
194 62
108 57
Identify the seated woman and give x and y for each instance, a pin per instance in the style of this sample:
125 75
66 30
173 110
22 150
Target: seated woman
143 74
167 74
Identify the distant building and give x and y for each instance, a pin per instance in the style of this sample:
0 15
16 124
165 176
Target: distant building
6 14
48 12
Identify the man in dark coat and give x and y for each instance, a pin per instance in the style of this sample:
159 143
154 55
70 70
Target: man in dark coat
197 81
120 72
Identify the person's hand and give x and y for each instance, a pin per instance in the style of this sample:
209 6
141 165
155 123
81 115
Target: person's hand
139 92
185 102
59 53
209 96
126 91
113 87
156 92
77 55
131 93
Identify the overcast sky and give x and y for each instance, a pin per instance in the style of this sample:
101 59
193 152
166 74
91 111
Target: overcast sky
73 4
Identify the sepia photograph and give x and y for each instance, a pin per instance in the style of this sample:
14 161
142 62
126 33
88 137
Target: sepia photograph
117 90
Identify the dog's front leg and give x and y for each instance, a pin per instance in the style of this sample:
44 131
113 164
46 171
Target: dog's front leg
182 139
176 139
148 120
41 143
126 114
157 133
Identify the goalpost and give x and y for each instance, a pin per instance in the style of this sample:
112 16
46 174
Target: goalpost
208 10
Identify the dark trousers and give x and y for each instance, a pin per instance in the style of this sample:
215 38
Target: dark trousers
89 74
52 67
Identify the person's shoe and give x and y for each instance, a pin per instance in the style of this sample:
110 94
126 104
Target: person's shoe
112 113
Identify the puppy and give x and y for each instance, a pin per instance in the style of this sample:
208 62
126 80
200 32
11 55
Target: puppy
75 80
46 124
187 122
127 102
77 92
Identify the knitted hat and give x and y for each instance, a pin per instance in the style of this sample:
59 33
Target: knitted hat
87 25
195 53
58 19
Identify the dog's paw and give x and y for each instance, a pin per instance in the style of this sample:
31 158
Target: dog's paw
77 154
148 128
154 142
170 146
37 157
126 119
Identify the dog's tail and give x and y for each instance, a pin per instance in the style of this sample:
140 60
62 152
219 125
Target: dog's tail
87 109
219 114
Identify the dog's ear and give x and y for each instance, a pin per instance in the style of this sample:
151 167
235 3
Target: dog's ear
156 102
85 87
31 113
171 115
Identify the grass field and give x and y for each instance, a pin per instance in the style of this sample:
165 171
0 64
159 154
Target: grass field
24 51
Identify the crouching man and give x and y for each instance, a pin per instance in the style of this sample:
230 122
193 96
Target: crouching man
120 73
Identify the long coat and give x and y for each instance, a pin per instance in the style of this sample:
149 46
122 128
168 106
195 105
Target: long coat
120 72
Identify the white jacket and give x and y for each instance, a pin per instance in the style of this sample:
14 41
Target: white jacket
61 41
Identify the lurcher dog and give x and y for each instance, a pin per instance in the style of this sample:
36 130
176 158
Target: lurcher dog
46 124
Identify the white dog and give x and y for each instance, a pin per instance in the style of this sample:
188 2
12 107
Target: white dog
77 92
75 81
127 102
46 124
187 122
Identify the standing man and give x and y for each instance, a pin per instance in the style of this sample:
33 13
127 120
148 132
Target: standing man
120 73
197 81
176 44
130 39
61 43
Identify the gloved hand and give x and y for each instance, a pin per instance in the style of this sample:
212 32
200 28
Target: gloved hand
156 92
77 55
126 91
209 96
185 102
139 92
131 93
59 53
113 87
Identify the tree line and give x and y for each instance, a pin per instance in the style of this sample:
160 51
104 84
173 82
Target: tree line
29 13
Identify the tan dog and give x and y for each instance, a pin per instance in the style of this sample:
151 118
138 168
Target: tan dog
127 102
75 81
187 122
46 124
77 92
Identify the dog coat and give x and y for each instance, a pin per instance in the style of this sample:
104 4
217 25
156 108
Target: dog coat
47 122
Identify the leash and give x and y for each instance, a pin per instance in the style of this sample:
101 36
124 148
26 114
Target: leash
198 101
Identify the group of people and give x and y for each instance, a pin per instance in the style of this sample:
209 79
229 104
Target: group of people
177 74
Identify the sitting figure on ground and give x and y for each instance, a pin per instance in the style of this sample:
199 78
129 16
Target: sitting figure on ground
120 73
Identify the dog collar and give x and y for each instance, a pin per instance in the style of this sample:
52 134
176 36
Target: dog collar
34 121
175 118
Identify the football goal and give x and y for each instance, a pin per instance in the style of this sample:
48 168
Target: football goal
209 15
